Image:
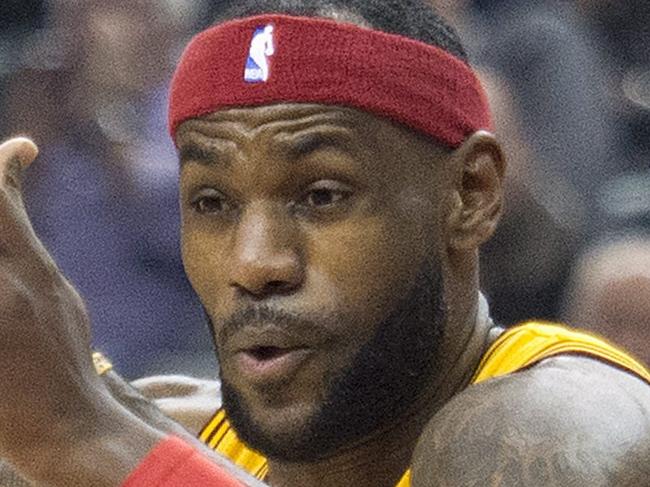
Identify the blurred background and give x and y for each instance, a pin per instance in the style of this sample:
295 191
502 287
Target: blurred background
569 85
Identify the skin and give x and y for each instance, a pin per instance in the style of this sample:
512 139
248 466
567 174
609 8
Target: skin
45 359
568 421
157 400
575 421
55 302
253 183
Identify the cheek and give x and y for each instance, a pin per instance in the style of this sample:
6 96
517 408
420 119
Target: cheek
369 264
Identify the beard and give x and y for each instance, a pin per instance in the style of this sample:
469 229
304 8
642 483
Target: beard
386 376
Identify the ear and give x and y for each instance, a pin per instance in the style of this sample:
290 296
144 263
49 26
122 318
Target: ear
478 194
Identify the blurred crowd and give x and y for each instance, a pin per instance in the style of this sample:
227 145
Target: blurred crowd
569 84
87 79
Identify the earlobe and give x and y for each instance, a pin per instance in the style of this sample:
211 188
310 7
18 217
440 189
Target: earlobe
478 198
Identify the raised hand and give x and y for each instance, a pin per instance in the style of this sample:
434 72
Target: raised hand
46 375
59 424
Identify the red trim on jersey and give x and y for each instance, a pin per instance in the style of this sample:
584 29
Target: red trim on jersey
323 61
174 463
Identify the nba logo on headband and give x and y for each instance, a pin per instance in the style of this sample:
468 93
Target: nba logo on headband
262 48
328 62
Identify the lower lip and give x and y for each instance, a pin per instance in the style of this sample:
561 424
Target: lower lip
275 369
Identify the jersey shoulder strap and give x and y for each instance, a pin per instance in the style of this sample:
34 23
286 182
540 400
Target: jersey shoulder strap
529 343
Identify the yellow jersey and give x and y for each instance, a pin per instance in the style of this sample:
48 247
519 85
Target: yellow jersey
517 348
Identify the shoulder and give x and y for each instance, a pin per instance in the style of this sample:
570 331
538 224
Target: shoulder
187 400
567 421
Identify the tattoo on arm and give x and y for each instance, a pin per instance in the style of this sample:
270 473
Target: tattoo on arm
519 444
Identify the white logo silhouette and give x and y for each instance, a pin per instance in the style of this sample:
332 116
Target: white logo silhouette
262 47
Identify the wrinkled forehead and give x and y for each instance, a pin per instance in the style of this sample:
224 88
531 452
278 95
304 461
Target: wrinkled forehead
254 117
311 123
282 117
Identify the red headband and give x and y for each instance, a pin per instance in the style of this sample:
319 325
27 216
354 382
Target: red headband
278 58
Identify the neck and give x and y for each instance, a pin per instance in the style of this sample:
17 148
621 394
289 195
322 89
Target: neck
381 459
469 330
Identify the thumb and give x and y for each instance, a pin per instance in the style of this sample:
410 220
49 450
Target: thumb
15 155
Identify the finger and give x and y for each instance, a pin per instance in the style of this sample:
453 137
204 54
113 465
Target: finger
16 233
15 155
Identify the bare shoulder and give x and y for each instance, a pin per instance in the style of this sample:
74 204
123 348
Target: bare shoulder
569 421
187 400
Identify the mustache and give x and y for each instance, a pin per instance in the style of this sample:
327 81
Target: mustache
272 319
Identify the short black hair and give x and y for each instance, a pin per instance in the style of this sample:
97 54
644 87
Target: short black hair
416 19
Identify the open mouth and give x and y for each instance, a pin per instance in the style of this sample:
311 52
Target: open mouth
267 353
264 364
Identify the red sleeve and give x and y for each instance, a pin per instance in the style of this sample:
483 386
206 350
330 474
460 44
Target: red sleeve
174 463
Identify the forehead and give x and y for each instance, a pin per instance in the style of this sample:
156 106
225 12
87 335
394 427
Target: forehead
274 121
253 120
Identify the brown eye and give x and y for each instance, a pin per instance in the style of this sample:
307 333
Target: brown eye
325 195
210 201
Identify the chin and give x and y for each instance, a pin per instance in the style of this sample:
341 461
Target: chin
289 421
277 431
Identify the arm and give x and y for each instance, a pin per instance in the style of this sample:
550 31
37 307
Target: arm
177 405
61 424
568 421
190 402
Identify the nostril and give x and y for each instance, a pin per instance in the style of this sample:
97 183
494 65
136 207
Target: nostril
269 289
277 286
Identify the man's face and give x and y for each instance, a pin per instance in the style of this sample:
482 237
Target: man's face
312 235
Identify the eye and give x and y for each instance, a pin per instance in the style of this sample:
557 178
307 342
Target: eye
210 201
325 194
322 197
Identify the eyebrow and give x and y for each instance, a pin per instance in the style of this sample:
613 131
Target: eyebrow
193 152
301 145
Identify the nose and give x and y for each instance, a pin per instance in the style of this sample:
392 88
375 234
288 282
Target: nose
266 259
